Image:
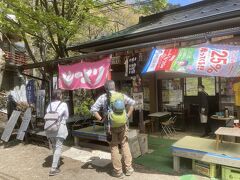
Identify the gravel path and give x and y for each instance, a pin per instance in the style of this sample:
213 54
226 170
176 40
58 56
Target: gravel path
31 162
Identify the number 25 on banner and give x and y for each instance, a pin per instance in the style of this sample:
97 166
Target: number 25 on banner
217 59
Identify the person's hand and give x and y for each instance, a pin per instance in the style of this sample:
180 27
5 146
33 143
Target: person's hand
103 119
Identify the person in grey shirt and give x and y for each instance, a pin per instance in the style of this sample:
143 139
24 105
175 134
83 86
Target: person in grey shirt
57 138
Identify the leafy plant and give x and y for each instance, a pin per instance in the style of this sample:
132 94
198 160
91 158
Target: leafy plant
84 108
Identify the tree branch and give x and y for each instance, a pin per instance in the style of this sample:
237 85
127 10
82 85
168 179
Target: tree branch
30 53
52 40
63 6
55 6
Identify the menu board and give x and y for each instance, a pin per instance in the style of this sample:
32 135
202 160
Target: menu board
138 97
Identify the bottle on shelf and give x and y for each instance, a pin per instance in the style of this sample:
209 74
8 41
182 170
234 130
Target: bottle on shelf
226 112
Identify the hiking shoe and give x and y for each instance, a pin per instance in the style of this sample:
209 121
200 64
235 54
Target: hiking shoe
129 171
118 175
54 172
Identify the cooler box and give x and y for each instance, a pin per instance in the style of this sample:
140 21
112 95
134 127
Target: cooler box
230 173
204 168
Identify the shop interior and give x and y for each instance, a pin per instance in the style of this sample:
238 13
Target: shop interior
178 94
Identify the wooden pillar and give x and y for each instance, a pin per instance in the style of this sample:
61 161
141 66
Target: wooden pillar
176 163
71 108
141 122
238 112
152 90
50 85
156 91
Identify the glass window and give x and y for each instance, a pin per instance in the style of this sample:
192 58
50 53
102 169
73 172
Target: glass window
209 84
191 86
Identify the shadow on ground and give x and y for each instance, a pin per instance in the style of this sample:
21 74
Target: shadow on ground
48 161
90 165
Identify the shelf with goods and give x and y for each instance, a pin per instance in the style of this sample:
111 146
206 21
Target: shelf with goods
226 95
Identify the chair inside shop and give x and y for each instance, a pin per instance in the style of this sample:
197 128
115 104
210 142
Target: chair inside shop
167 126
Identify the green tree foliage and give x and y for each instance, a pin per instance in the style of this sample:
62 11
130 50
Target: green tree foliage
148 7
49 25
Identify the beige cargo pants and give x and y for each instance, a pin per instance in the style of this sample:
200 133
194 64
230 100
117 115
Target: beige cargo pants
119 137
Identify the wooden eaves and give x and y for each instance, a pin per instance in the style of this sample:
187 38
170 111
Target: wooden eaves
69 60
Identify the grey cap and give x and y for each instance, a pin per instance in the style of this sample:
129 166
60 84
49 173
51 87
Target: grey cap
110 85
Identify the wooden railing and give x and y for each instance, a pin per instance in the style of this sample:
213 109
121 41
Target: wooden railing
16 58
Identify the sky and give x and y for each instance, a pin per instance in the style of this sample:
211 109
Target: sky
183 2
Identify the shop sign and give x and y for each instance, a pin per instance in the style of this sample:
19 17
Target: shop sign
131 65
116 60
85 75
206 60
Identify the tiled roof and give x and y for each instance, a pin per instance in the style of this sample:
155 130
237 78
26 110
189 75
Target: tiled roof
201 12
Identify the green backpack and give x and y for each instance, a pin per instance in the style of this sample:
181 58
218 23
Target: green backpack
118 114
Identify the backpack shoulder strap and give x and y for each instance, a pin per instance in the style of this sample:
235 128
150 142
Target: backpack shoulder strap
50 106
58 105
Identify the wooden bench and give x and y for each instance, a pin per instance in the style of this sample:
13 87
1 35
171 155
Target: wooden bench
91 133
204 150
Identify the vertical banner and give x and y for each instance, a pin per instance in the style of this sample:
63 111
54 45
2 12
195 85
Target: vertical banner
131 65
206 60
54 82
85 75
40 104
30 92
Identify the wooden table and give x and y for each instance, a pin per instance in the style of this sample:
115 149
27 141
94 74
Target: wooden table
159 114
222 118
225 131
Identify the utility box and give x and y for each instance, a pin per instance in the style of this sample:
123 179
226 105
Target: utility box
230 173
204 168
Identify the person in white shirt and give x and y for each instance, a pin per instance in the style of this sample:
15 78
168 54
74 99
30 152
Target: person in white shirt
58 137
